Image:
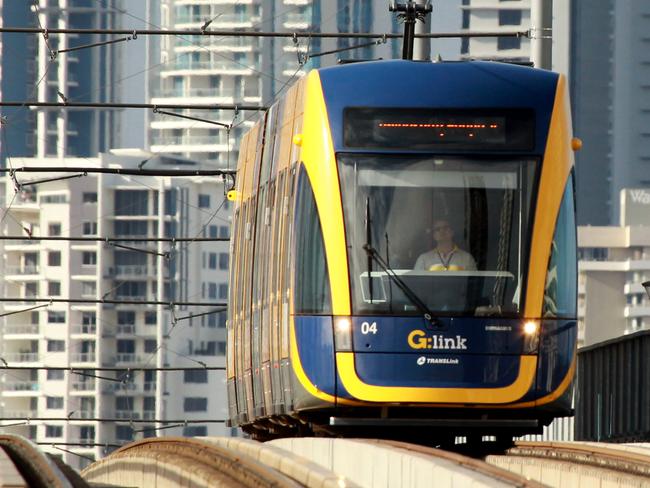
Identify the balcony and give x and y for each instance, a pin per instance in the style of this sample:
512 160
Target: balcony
239 18
149 386
148 415
83 357
127 415
128 329
30 386
19 414
21 357
83 329
82 386
29 269
212 65
127 358
16 329
195 92
134 270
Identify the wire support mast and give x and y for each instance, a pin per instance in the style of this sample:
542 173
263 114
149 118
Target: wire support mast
409 13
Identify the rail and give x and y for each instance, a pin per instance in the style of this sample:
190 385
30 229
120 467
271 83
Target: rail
577 463
33 468
174 459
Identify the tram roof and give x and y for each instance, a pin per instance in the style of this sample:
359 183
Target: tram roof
424 84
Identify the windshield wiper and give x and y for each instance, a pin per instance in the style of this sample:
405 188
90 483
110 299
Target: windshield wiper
374 255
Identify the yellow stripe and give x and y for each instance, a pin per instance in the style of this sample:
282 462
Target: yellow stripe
375 393
320 163
556 167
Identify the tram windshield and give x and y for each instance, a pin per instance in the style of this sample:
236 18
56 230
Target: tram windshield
455 230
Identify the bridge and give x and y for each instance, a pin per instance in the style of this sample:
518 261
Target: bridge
327 463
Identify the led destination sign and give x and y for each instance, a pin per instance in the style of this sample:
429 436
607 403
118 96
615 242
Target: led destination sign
419 129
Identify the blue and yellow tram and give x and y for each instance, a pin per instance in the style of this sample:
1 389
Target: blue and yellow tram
404 254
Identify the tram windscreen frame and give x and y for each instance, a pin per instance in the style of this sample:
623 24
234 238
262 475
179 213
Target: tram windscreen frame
487 205
439 128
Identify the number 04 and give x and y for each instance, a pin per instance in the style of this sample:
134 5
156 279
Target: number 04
368 328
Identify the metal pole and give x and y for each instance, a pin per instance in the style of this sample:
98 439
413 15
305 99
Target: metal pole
422 48
541 21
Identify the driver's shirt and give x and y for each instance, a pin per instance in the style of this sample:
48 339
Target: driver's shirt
456 260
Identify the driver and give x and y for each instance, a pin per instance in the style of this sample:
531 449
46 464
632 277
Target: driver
446 256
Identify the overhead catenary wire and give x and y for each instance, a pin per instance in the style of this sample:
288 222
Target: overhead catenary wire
152 106
116 239
113 369
112 419
250 33
111 302
120 171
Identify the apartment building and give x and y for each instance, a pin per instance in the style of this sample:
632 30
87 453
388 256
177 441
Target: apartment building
85 333
495 16
614 261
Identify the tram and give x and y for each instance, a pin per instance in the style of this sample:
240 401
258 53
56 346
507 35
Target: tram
403 254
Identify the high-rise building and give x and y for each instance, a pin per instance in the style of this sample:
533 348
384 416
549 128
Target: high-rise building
124 331
610 68
252 70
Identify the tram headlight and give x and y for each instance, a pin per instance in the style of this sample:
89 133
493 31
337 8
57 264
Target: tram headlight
531 336
342 333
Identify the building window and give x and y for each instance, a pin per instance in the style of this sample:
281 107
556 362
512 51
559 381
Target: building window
55 374
55 346
150 318
125 346
54 288
89 197
150 345
149 404
509 17
131 202
54 258
212 260
89 258
195 431
54 403
213 231
88 288
88 318
55 317
54 198
221 348
506 43
223 260
195 376
31 289
223 291
123 433
212 290
54 229
195 404
224 231
90 228
132 289
53 431
204 201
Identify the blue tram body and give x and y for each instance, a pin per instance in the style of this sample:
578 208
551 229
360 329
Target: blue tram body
404 254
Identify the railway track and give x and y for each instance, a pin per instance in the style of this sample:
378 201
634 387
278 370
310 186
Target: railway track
168 460
577 463
23 464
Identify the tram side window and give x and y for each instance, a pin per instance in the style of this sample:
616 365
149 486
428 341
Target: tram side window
560 292
311 280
